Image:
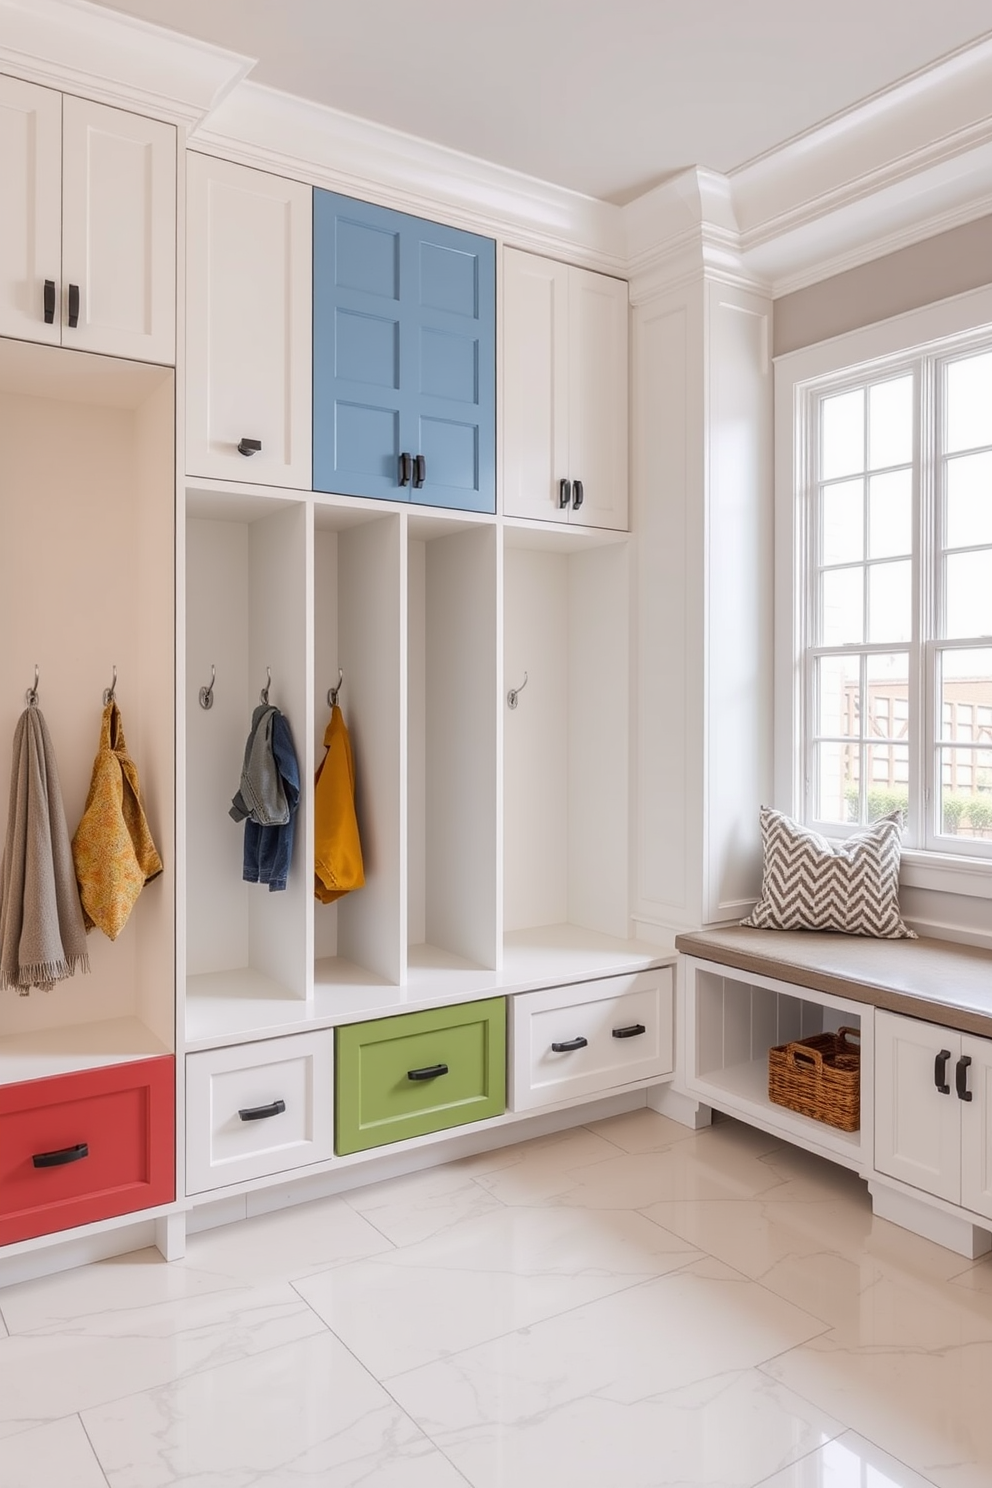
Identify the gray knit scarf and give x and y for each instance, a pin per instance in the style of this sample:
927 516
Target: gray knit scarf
42 937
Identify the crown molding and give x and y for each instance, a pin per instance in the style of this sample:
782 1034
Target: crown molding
82 48
275 131
683 231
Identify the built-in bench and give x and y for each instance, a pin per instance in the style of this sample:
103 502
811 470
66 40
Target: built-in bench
924 1012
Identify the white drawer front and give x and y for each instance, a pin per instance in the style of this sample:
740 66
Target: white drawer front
594 1012
222 1146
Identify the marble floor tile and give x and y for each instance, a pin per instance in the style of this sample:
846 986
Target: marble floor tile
98 1356
287 1243
503 1271
3 1325
641 1131
303 1413
58 1455
847 1462
405 1210
537 1171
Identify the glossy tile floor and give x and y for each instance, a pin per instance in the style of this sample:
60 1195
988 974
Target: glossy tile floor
626 1305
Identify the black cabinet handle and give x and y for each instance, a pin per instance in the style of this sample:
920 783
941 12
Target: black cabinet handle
49 301
564 494
429 1072
631 1032
249 446
262 1113
419 472
940 1072
961 1077
579 495
406 469
60 1158
569 1045
73 305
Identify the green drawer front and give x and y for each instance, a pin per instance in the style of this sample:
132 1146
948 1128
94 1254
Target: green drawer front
377 1102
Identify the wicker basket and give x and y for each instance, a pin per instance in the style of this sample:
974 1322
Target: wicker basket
819 1077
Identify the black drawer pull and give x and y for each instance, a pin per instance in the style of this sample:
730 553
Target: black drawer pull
60 1158
49 301
429 1072
419 471
579 497
406 469
961 1077
564 494
262 1113
633 1030
940 1072
570 1044
249 446
73 305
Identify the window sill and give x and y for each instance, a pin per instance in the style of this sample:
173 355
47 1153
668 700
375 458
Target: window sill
946 873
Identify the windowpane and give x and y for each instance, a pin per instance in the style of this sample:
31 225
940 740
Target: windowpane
969 500
890 423
843 522
839 696
966 793
890 515
968 594
887 685
890 613
842 614
837 782
966 696
888 780
969 402
842 435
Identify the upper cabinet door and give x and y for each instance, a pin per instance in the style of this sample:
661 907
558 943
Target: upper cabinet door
404 357
248 319
118 233
30 222
535 386
564 393
597 402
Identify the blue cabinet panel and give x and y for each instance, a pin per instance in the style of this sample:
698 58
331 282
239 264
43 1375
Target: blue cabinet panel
404 356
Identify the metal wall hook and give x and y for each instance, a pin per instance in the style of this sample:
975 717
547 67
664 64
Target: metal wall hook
207 693
110 693
31 696
514 693
263 696
332 692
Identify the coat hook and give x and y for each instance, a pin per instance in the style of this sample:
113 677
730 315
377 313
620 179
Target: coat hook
514 693
332 692
207 693
263 696
110 693
31 696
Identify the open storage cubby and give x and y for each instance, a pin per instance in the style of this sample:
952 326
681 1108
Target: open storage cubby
731 1021
247 614
566 743
452 751
87 475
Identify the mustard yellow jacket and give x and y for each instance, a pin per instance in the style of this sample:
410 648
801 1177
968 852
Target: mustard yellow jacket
338 864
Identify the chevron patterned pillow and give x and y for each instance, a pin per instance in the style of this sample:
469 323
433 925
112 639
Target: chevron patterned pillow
808 884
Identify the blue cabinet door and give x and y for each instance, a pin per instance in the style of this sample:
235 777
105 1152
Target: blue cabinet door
404 357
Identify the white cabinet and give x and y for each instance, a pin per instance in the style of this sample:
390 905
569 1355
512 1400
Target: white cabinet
88 233
564 392
248 325
932 1110
584 1039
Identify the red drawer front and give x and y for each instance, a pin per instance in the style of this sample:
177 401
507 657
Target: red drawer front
107 1140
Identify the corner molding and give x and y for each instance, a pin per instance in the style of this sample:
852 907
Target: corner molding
82 48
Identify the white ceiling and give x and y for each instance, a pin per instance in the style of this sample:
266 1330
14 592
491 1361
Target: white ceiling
607 97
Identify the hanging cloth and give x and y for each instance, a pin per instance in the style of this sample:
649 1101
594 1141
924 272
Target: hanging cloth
113 849
268 799
42 936
338 864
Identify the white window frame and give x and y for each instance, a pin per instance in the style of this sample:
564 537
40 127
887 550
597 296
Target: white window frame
949 327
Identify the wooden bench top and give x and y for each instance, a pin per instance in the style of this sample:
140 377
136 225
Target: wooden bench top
931 979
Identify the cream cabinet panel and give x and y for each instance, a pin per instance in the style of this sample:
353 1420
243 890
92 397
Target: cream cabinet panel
976 1126
564 393
118 233
30 223
917 1124
249 332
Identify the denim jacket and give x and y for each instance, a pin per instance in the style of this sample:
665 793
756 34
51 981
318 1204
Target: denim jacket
268 849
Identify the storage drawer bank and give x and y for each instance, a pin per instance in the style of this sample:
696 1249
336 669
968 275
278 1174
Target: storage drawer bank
923 1009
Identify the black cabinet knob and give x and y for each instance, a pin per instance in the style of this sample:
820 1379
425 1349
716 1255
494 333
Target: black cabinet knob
406 469
961 1077
49 301
249 446
73 305
569 1045
940 1071
262 1113
578 495
419 472
429 1072
564 494
61 1157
